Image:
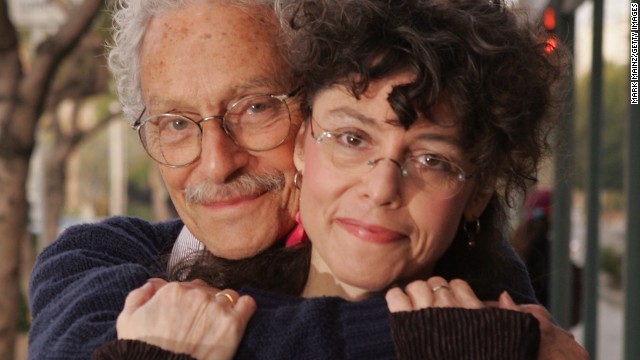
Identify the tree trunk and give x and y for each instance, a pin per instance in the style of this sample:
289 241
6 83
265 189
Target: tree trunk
55 172
13 215
21 104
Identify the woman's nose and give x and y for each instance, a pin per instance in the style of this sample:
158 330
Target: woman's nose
383 184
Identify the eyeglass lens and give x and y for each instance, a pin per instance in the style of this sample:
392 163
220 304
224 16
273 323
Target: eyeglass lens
258 123
357 151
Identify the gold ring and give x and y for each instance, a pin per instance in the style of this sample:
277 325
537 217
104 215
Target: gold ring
439 287
228 296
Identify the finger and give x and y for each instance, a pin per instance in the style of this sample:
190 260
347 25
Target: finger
141 295
443 297
536 310
245 307
201 283
227 296
465 296
157 283
197 284
541 314
420 294
397 300
505 301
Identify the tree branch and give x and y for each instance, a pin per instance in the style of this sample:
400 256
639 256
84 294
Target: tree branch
50 53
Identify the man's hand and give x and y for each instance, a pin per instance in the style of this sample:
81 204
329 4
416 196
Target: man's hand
186 317
555 342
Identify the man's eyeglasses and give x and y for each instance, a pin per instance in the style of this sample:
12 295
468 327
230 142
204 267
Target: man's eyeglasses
256 122
356 151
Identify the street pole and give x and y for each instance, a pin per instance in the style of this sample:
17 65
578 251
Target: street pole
560 297
590 295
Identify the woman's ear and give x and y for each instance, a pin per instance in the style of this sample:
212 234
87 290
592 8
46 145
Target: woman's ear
298 151
478 202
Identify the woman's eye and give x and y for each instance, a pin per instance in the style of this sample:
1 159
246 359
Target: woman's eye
433 162
350 139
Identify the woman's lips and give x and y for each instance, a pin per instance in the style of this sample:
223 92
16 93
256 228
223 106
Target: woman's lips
368 232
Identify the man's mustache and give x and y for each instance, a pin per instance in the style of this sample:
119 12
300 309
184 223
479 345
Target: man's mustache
243 185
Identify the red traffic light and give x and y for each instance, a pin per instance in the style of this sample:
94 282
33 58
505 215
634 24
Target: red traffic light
549 19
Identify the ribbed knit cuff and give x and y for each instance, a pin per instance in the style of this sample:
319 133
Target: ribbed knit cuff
456 333
133 350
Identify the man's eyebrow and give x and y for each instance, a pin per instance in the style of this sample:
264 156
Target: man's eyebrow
246 88
262 82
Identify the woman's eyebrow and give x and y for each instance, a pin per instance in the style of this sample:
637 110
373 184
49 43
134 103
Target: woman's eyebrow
341 111
440 138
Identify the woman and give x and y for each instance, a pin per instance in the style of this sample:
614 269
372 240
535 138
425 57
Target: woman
424 118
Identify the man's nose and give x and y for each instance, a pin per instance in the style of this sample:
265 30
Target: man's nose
220 157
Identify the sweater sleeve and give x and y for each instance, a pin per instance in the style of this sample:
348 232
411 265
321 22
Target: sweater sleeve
134 350
286 327
79 283
515 278
456 333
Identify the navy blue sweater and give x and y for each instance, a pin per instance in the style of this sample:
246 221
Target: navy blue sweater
79 284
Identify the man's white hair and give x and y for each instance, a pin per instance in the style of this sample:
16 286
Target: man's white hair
130 20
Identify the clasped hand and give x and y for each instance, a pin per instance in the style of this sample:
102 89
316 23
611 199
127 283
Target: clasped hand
195 319
186 317
555 342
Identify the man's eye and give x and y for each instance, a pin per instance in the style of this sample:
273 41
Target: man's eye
258 107
178 124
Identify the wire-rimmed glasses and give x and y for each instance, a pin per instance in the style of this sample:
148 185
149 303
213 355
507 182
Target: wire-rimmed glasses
357 152
258 122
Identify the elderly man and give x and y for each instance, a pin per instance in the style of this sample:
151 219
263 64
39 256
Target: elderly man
213 101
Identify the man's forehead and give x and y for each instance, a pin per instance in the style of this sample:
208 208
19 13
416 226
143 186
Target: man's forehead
204 51
260 85
202 17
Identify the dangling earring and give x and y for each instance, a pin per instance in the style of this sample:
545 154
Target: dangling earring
472 232
297 180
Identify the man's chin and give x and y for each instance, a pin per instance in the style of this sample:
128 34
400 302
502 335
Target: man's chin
237 250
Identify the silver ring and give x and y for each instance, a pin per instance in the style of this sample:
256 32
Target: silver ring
439 287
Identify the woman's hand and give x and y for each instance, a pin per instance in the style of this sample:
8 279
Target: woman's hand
186 317
435 292
555 342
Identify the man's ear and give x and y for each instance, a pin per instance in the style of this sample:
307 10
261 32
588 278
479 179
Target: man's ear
298 151
478 202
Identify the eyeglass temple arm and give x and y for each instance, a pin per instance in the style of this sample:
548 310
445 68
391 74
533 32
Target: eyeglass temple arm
136 124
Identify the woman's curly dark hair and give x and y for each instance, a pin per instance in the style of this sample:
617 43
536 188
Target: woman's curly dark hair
477 56
489 65
486 62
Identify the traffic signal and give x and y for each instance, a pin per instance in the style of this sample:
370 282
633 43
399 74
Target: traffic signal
549 22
